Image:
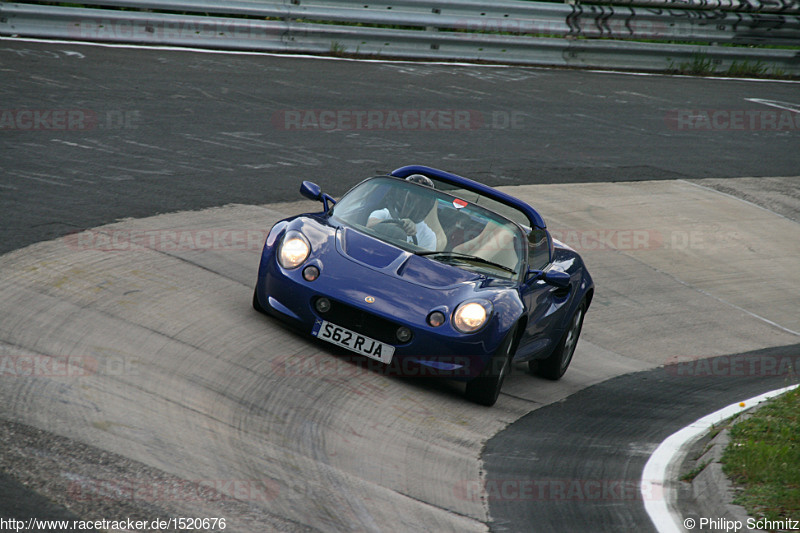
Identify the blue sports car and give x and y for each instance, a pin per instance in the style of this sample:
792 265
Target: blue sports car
429 273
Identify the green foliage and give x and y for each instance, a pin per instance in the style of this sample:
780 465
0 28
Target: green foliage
700 64
764 459
746 69
338 49
694 472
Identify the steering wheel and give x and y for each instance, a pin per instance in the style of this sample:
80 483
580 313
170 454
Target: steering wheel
394 229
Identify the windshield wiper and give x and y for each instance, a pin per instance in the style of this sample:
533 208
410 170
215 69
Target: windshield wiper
466 257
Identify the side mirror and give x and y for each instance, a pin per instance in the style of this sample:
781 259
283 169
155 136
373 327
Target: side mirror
312 191
555 278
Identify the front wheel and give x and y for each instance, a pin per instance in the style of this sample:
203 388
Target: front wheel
485 389
557 363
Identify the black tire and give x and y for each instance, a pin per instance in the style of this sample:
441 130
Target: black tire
256 304
557 362
485 389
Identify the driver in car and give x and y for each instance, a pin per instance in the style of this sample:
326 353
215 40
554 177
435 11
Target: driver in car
407 212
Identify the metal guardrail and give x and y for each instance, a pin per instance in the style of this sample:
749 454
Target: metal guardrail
508 31
786 7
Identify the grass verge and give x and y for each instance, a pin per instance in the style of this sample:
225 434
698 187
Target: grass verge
763 459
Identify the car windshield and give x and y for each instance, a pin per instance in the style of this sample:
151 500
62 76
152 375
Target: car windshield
436 224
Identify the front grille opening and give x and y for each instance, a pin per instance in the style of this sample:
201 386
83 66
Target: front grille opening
360 321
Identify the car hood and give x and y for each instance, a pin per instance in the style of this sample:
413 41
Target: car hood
378 255
365 272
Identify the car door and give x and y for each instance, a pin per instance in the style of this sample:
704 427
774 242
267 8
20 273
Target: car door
544 302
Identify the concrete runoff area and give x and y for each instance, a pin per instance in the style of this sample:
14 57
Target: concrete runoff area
138 338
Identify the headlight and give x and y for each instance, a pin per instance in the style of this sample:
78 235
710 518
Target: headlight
294 250
469 317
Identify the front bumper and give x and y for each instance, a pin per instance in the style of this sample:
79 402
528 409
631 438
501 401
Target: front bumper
432 351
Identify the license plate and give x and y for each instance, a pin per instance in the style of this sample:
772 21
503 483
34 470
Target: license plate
353 341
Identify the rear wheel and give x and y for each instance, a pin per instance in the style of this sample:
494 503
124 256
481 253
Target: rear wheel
485 389
557 363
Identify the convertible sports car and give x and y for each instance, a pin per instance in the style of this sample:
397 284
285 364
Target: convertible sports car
430 273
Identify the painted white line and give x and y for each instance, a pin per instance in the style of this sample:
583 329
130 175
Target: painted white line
385 61
788 106
697 77
287 54
656 487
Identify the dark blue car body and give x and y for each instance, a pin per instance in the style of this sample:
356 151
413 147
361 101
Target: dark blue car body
372 288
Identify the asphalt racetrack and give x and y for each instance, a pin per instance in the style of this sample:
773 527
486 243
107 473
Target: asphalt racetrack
137 187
